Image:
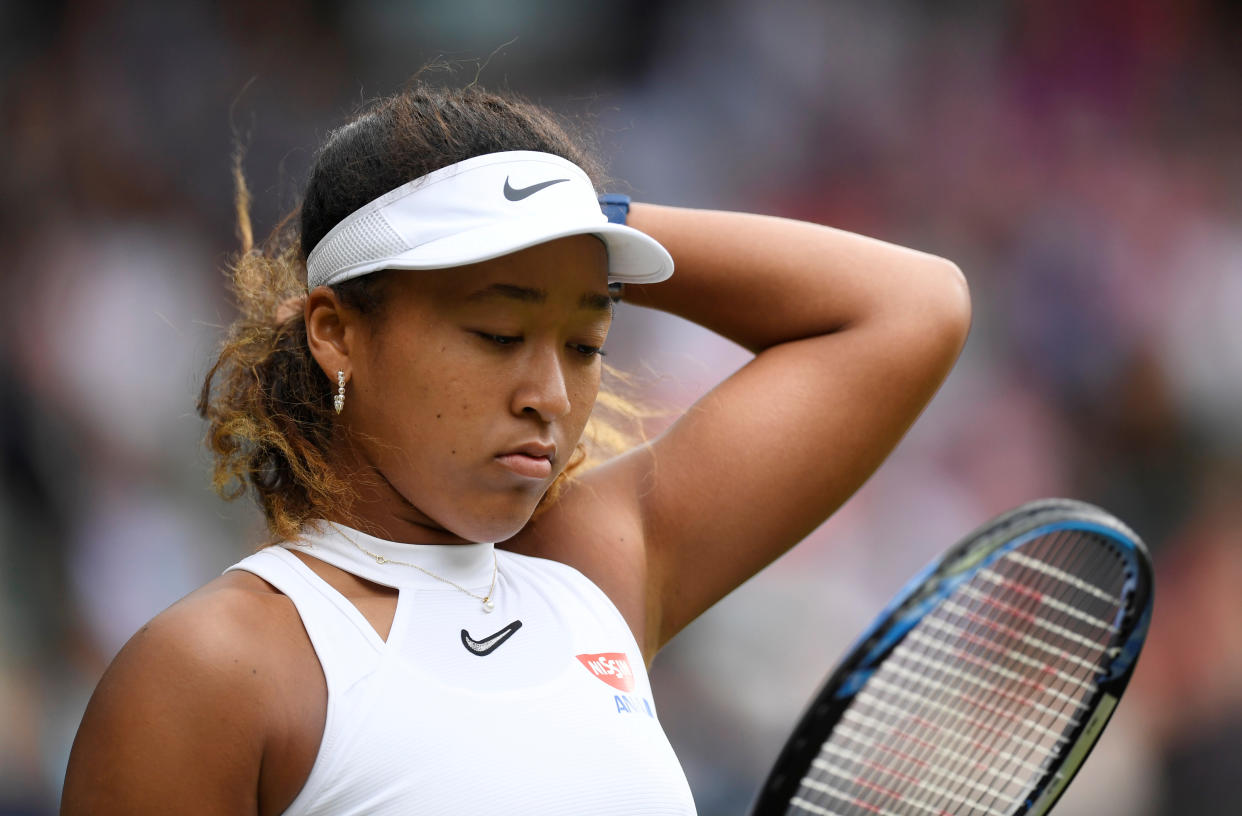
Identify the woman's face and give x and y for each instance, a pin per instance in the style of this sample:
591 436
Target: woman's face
469 391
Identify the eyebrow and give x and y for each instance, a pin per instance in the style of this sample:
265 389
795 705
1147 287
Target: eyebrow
524 294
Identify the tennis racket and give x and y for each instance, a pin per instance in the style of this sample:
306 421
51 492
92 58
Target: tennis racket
983 686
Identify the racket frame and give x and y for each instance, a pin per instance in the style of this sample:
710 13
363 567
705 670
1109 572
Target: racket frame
924 592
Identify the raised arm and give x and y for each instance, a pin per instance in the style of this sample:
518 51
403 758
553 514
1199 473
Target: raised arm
852 336
762 281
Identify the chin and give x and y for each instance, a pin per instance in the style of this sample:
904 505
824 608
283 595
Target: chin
499 526
491 532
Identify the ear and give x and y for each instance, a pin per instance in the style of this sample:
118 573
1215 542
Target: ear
331 330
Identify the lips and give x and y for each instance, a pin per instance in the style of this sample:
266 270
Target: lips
532 460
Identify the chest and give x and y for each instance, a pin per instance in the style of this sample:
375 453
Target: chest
461 710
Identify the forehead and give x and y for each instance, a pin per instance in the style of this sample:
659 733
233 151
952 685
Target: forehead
569 271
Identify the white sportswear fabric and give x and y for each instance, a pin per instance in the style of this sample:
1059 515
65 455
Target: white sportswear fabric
557 720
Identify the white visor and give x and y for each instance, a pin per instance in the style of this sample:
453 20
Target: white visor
477 210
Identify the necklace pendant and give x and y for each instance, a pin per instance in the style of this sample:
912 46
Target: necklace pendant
488 606
379 559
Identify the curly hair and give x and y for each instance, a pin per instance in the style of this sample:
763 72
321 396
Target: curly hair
268 406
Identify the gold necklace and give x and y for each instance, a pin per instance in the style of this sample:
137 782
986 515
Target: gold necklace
488 604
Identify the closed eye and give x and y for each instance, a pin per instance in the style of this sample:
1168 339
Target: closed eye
587 351
500 339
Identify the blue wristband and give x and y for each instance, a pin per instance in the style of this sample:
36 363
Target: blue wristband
615 206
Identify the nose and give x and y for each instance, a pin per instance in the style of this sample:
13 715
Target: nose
541 390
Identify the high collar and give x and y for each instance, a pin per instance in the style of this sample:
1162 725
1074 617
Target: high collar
470 565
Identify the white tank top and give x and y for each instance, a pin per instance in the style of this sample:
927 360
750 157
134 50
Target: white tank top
541 706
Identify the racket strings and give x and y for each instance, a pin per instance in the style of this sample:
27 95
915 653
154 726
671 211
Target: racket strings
970 709
1032 651
996 739
935 718
944 773
1035 737
1032 632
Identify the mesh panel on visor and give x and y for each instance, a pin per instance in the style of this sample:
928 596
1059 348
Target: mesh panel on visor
368 238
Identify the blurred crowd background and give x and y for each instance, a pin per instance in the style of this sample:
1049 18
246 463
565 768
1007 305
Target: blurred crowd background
1081 160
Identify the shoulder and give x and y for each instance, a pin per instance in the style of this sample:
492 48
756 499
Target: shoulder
225 630
218 634
186 704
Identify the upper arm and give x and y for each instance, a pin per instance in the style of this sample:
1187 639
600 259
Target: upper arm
852 335
175 725
766 456
754 466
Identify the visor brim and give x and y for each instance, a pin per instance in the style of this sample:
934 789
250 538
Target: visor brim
633 256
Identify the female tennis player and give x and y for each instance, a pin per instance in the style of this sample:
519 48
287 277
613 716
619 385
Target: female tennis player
456 616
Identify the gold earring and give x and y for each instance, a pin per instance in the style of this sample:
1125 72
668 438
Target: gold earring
338 402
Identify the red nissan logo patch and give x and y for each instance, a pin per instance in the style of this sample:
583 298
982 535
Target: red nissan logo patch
611 667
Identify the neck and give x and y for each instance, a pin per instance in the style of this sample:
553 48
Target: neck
379 509
408 525
470 569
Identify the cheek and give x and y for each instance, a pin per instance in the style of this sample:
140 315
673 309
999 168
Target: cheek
436 404
410 393
583 392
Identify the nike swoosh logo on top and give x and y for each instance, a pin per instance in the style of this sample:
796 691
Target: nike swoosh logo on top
491 643
525 192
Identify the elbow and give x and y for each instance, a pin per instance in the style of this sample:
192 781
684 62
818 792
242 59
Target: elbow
957 306
939 312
